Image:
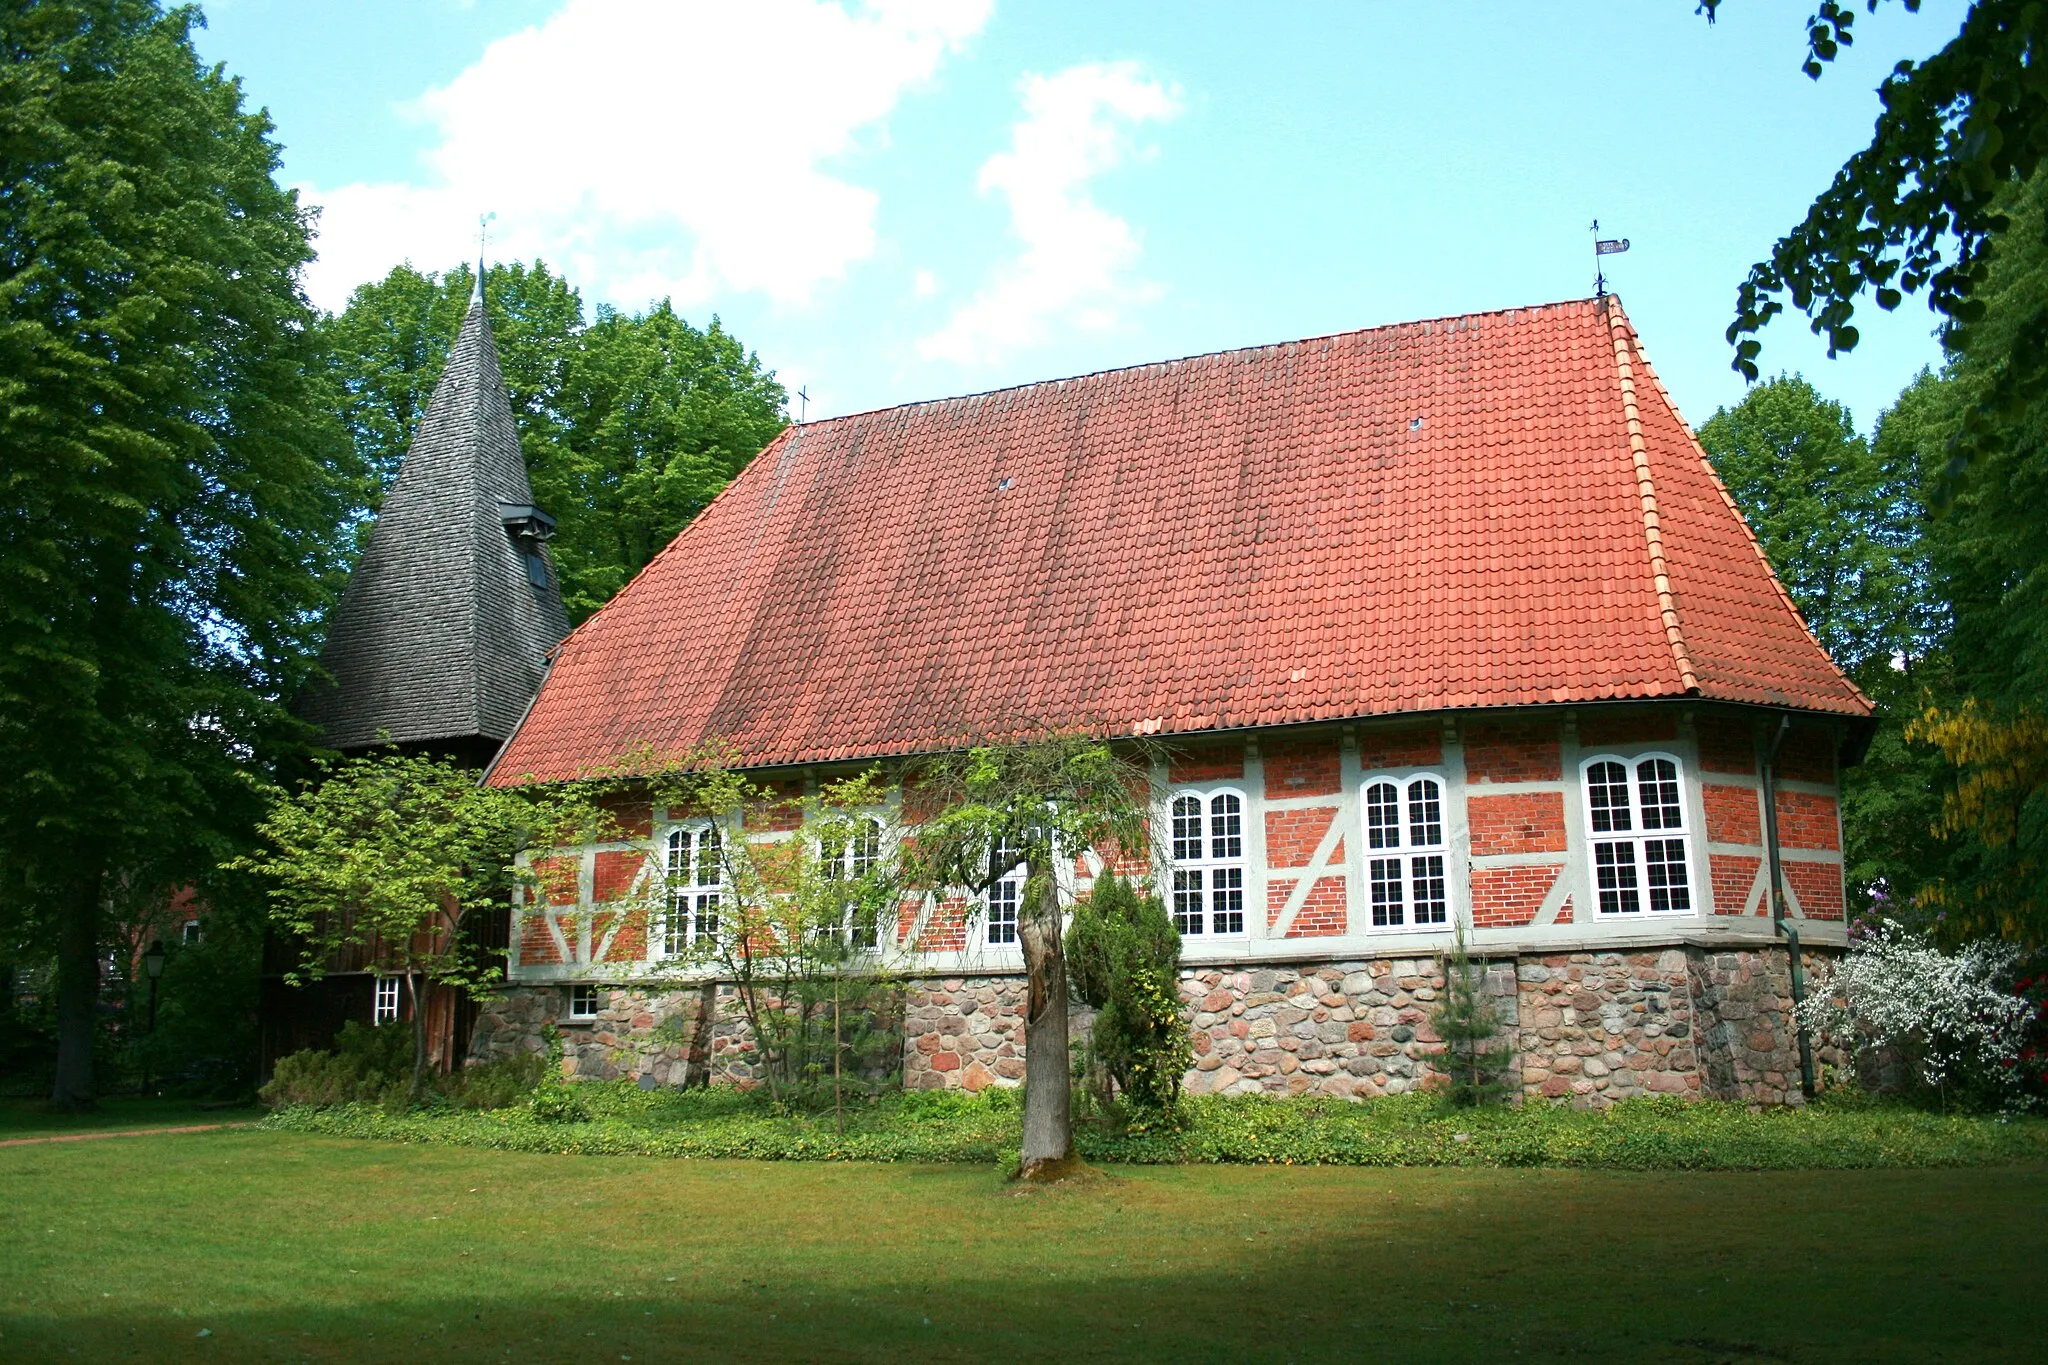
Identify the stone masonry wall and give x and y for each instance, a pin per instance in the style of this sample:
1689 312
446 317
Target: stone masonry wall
654 1036
1589 1028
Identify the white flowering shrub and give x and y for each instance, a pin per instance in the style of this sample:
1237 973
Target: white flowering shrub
1951 1018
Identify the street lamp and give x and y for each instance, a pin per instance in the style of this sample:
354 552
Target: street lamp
153 963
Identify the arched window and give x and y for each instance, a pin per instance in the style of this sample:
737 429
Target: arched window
849 861
1208 863
1404 848
1005 894
696 881
1635 812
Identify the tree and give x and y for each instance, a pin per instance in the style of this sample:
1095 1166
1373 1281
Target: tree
629 425
389 855
1037 804
802 926
1918 209
1123 957
1816 496
1478 1066
174 475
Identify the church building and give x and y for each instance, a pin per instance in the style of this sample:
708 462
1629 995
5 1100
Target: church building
1442 623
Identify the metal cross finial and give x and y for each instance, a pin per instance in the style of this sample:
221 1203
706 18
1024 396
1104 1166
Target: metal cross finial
483 229
803 398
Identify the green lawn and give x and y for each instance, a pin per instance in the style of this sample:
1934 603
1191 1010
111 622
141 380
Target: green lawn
35 1118
281 1246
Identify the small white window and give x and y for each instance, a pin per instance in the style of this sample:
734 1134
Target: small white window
1405 853
1636 815
583 1002
191 931
696 879
849 862
1005 896
1208 863
385 1009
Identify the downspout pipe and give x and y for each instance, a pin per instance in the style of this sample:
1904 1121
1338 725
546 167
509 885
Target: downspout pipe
1784 927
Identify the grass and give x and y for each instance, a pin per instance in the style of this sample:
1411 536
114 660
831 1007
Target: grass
1414 1130
25 1118
283 1246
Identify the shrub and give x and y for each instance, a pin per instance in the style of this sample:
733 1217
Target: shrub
366 1066
496 1085
1123 957
557 1103
1949 1019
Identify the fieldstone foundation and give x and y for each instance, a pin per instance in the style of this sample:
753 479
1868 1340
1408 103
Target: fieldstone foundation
656 1036
1588 1028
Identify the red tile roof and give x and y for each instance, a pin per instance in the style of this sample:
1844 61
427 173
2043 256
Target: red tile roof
1495 510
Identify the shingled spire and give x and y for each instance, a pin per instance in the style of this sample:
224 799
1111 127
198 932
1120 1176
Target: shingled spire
441 638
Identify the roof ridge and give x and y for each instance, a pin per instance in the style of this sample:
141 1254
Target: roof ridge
1749 533
1646 489
1198 355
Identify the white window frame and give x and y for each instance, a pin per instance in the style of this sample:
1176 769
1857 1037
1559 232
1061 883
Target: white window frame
191 931
850 862
1638 886
584 991
692 907
1006 891
1216 863
384 1003
1409 886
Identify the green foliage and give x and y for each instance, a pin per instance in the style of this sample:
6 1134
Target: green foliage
174 477
1408 1130
804 925
1919 208
367 1066
629 424
557 1103
372 1066
387 858
1123 958
1818 499
1475 1059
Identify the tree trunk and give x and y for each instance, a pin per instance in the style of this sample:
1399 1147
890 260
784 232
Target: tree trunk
1048 1150
78 991
419 1037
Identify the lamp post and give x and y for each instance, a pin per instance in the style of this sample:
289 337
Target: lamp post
153 966
153 963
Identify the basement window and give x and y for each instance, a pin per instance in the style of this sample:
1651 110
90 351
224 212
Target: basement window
1405 852
1635 812
583 1001
384 1009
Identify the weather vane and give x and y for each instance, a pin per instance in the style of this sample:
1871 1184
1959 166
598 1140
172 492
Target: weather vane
1604 246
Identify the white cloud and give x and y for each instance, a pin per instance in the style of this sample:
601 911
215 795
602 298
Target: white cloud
1076 258
653 147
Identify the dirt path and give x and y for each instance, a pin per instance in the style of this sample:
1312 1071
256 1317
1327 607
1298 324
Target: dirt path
121 1133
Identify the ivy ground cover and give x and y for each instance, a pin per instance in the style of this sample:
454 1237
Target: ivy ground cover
258 1244
1414 1130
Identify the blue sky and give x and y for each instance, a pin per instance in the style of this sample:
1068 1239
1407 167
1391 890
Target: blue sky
913 198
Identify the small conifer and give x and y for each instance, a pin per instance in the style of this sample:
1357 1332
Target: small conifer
1476 1058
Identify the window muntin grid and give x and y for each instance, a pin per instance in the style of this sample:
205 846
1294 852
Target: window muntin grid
1635 811
1207 876
583 1002
850 861
696 887
1406 885
1005 896
385 1008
